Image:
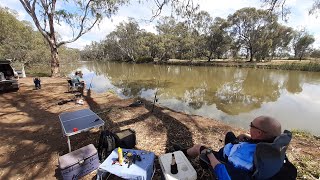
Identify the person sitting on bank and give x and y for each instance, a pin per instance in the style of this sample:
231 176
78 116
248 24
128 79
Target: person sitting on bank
37 83
78 77
78 81
238 152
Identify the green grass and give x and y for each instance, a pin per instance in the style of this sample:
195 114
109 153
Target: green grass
38 71
312 66
301 133
44 70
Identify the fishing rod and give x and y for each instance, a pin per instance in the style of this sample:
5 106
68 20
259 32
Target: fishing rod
155 99
91 82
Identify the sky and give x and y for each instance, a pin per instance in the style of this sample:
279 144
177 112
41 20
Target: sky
298 18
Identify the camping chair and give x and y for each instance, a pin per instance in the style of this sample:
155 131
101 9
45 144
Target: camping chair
270 161
74 86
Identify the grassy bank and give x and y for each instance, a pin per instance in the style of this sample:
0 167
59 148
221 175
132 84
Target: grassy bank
44 70
312 66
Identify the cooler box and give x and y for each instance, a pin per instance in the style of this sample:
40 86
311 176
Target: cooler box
79 162
185 169
125 139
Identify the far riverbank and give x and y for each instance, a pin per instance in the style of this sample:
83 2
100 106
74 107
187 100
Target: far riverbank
304 65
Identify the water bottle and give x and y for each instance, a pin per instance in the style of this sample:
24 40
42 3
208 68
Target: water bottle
120 155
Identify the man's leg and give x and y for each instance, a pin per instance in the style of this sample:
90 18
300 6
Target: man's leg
230 138
195 150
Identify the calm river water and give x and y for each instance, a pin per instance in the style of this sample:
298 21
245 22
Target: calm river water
232 95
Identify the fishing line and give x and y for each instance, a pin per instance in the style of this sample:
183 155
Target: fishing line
91 82
157 88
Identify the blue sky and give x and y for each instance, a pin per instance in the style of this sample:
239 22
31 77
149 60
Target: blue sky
298 19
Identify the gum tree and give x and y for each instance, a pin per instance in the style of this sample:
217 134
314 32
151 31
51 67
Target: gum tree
302 41
81 16
251 28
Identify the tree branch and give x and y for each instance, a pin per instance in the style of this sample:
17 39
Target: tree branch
31 11
82 31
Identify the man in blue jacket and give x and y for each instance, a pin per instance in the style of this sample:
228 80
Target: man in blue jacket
238 152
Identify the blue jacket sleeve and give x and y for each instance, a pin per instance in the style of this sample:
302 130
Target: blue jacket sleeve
221 172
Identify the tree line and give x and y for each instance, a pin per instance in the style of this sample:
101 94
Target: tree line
24 45
250 33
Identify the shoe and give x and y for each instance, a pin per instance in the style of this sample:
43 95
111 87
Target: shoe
204 161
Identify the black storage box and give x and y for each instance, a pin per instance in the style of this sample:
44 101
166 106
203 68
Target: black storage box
125 139
79 162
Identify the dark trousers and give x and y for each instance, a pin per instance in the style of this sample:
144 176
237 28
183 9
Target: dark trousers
37 84
230 138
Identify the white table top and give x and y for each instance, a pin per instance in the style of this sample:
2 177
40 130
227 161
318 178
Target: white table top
83 120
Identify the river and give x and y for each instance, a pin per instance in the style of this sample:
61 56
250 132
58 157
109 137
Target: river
232 95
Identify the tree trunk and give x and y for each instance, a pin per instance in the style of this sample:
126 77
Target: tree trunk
251 55
209 57
55 65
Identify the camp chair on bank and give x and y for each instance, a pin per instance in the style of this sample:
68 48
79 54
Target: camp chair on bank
74 85
270 161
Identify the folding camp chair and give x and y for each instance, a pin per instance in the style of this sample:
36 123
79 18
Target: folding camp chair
74 86
270 160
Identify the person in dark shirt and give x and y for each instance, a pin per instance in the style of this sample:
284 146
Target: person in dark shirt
37 83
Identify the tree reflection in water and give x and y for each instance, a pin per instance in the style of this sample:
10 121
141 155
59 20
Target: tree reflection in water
227 91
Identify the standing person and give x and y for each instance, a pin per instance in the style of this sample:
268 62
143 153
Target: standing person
238 152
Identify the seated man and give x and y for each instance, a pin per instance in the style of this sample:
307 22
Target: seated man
238 153
37 83
78 82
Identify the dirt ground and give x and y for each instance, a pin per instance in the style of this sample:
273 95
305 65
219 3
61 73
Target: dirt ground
31 138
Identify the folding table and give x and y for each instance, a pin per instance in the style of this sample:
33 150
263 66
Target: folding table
142 170
79 121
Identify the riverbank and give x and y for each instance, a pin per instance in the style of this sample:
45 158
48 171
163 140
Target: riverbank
304 65
31 136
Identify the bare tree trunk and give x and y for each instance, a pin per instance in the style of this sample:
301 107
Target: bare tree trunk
251 56
55 65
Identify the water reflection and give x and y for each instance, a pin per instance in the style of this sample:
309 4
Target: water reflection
229 94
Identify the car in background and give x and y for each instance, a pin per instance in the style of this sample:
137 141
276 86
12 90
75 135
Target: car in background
8 77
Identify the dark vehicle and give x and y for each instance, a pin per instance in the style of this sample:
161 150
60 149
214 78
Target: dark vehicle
8 77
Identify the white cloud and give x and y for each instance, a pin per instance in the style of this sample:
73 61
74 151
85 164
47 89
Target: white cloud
149 28
98 32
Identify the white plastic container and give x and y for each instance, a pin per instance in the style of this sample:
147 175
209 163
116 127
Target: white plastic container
2 78
185 169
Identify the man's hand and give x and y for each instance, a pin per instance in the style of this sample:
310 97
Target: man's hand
244 137
213 160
